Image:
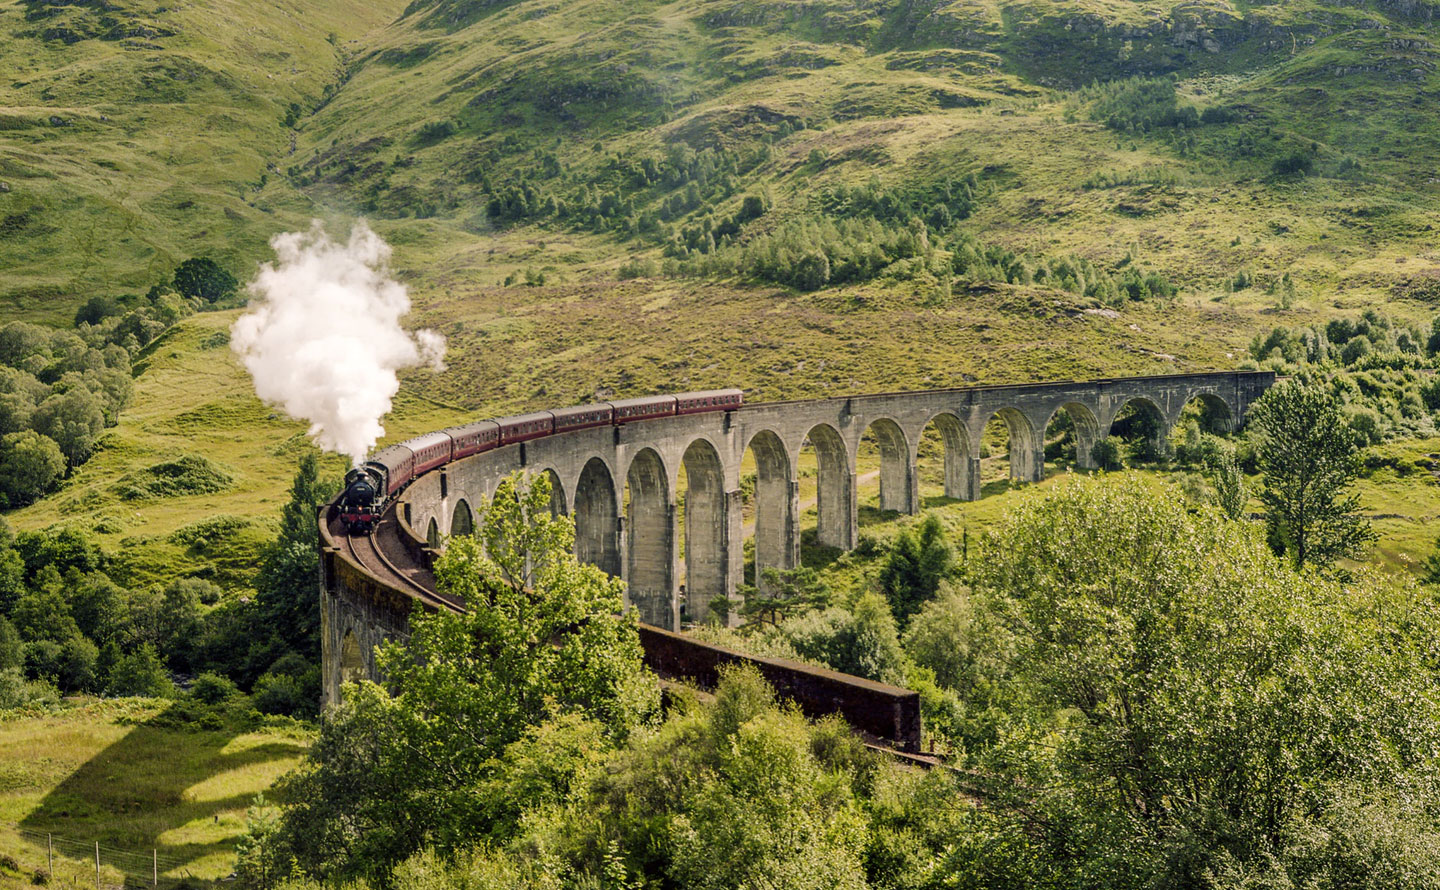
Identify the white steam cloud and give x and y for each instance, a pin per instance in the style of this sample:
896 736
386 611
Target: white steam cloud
323 340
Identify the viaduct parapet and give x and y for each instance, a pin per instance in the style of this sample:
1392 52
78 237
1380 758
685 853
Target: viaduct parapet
619 484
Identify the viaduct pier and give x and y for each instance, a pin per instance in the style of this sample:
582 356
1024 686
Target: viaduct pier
620 484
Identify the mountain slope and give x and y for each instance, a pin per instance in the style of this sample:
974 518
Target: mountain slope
133 134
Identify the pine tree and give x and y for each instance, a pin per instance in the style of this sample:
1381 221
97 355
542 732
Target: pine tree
917 562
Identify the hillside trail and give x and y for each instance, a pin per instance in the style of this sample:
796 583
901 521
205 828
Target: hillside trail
863 479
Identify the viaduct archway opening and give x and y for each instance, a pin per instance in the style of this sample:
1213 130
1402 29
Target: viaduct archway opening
704 525
1010 451
1141 427
884 456
650 540
597 518
557 494
1202 414
1070 437
769 492
945 462
462 521
352 660
827 490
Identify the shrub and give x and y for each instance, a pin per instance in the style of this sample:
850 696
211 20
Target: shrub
212 689
140 673
204 278
1106 453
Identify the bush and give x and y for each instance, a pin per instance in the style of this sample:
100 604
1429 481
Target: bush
213 689
140 673
281 694
204 278
17 692
1296 164
1106 453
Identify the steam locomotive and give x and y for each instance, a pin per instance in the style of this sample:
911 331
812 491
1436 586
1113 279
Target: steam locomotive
370 486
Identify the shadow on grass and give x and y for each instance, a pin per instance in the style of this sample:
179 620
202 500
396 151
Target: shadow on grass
173 784
813 554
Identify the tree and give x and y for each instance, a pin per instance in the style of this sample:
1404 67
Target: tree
787 592
1309 459
1231 495
74 420
1206 696
288 597
29 465
917 563
12 649
43 614
139 673
542 636
204 278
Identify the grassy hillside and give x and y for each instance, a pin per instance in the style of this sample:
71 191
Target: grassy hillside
573 189
129 775
134 134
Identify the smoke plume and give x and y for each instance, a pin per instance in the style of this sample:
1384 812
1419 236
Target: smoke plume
322 337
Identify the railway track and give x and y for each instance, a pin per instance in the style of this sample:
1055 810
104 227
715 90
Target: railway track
381 555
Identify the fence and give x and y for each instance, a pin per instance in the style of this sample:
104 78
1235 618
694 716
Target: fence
75 863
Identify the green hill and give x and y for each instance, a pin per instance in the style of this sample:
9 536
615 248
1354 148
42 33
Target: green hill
592 198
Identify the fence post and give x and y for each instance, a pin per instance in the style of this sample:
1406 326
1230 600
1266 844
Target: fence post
97 865
154 868
50 854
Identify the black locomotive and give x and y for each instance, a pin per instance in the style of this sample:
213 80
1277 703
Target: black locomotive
361 501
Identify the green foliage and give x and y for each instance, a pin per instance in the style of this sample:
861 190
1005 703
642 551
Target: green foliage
1107 453
30 464
139 672
1309 460
203 278
1139 105
918 561
213 689
1209 701
542 636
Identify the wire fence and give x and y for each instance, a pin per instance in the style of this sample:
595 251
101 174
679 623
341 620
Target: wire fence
75 862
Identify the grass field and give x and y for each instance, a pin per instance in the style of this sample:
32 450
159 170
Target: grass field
117 772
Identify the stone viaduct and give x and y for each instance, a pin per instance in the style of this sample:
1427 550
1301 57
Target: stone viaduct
620 483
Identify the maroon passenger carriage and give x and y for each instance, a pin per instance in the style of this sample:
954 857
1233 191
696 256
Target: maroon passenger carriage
369 487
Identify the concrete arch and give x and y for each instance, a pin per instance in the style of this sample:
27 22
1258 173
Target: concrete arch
1221 415
897 476
352 660
462 520
707 529
597 518
1158 436
1087 431
777 539
432 533
962 470
1027 452
835 501
558 503
650 540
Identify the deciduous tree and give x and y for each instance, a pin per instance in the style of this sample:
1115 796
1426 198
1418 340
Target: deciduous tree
1309 460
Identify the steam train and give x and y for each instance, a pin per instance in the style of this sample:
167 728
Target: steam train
370 486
